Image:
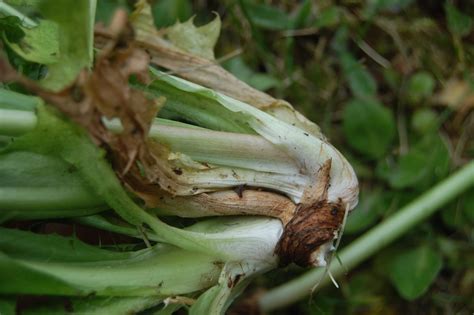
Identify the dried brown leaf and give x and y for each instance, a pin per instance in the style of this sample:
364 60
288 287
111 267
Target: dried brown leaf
250 202
457 94
105 92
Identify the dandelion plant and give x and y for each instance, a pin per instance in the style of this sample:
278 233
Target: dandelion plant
139 132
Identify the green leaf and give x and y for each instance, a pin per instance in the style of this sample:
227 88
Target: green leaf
460 214
76 33
11 28
13 100
459 24
8 306
34 186
151 272
41 43
424 121
365 290
339 41
21 279
384 259
45 259
266 16
20 9
301 14
374 6
52 248
195 109
413 271
368 127
169 309
95 306
168 12
328 17
453 217
32 70
419 169
420 86
196 40
392 78
263 82
361 82
410 170
371 204
241 70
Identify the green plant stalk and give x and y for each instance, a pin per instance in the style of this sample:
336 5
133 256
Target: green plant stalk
224 148
16 122
18 101
34 214
202 145
371 242
49 199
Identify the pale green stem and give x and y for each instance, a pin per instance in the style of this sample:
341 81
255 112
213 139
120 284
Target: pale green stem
221 148
47 202
371 242
202 145
16 122
13 100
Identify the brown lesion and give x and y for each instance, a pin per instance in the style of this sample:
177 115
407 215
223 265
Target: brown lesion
228 202
312 226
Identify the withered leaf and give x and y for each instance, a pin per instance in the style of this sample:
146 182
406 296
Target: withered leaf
105 93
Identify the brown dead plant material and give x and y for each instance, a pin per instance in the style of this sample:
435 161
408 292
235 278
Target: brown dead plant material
105 92
221 203
312 226
186 65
